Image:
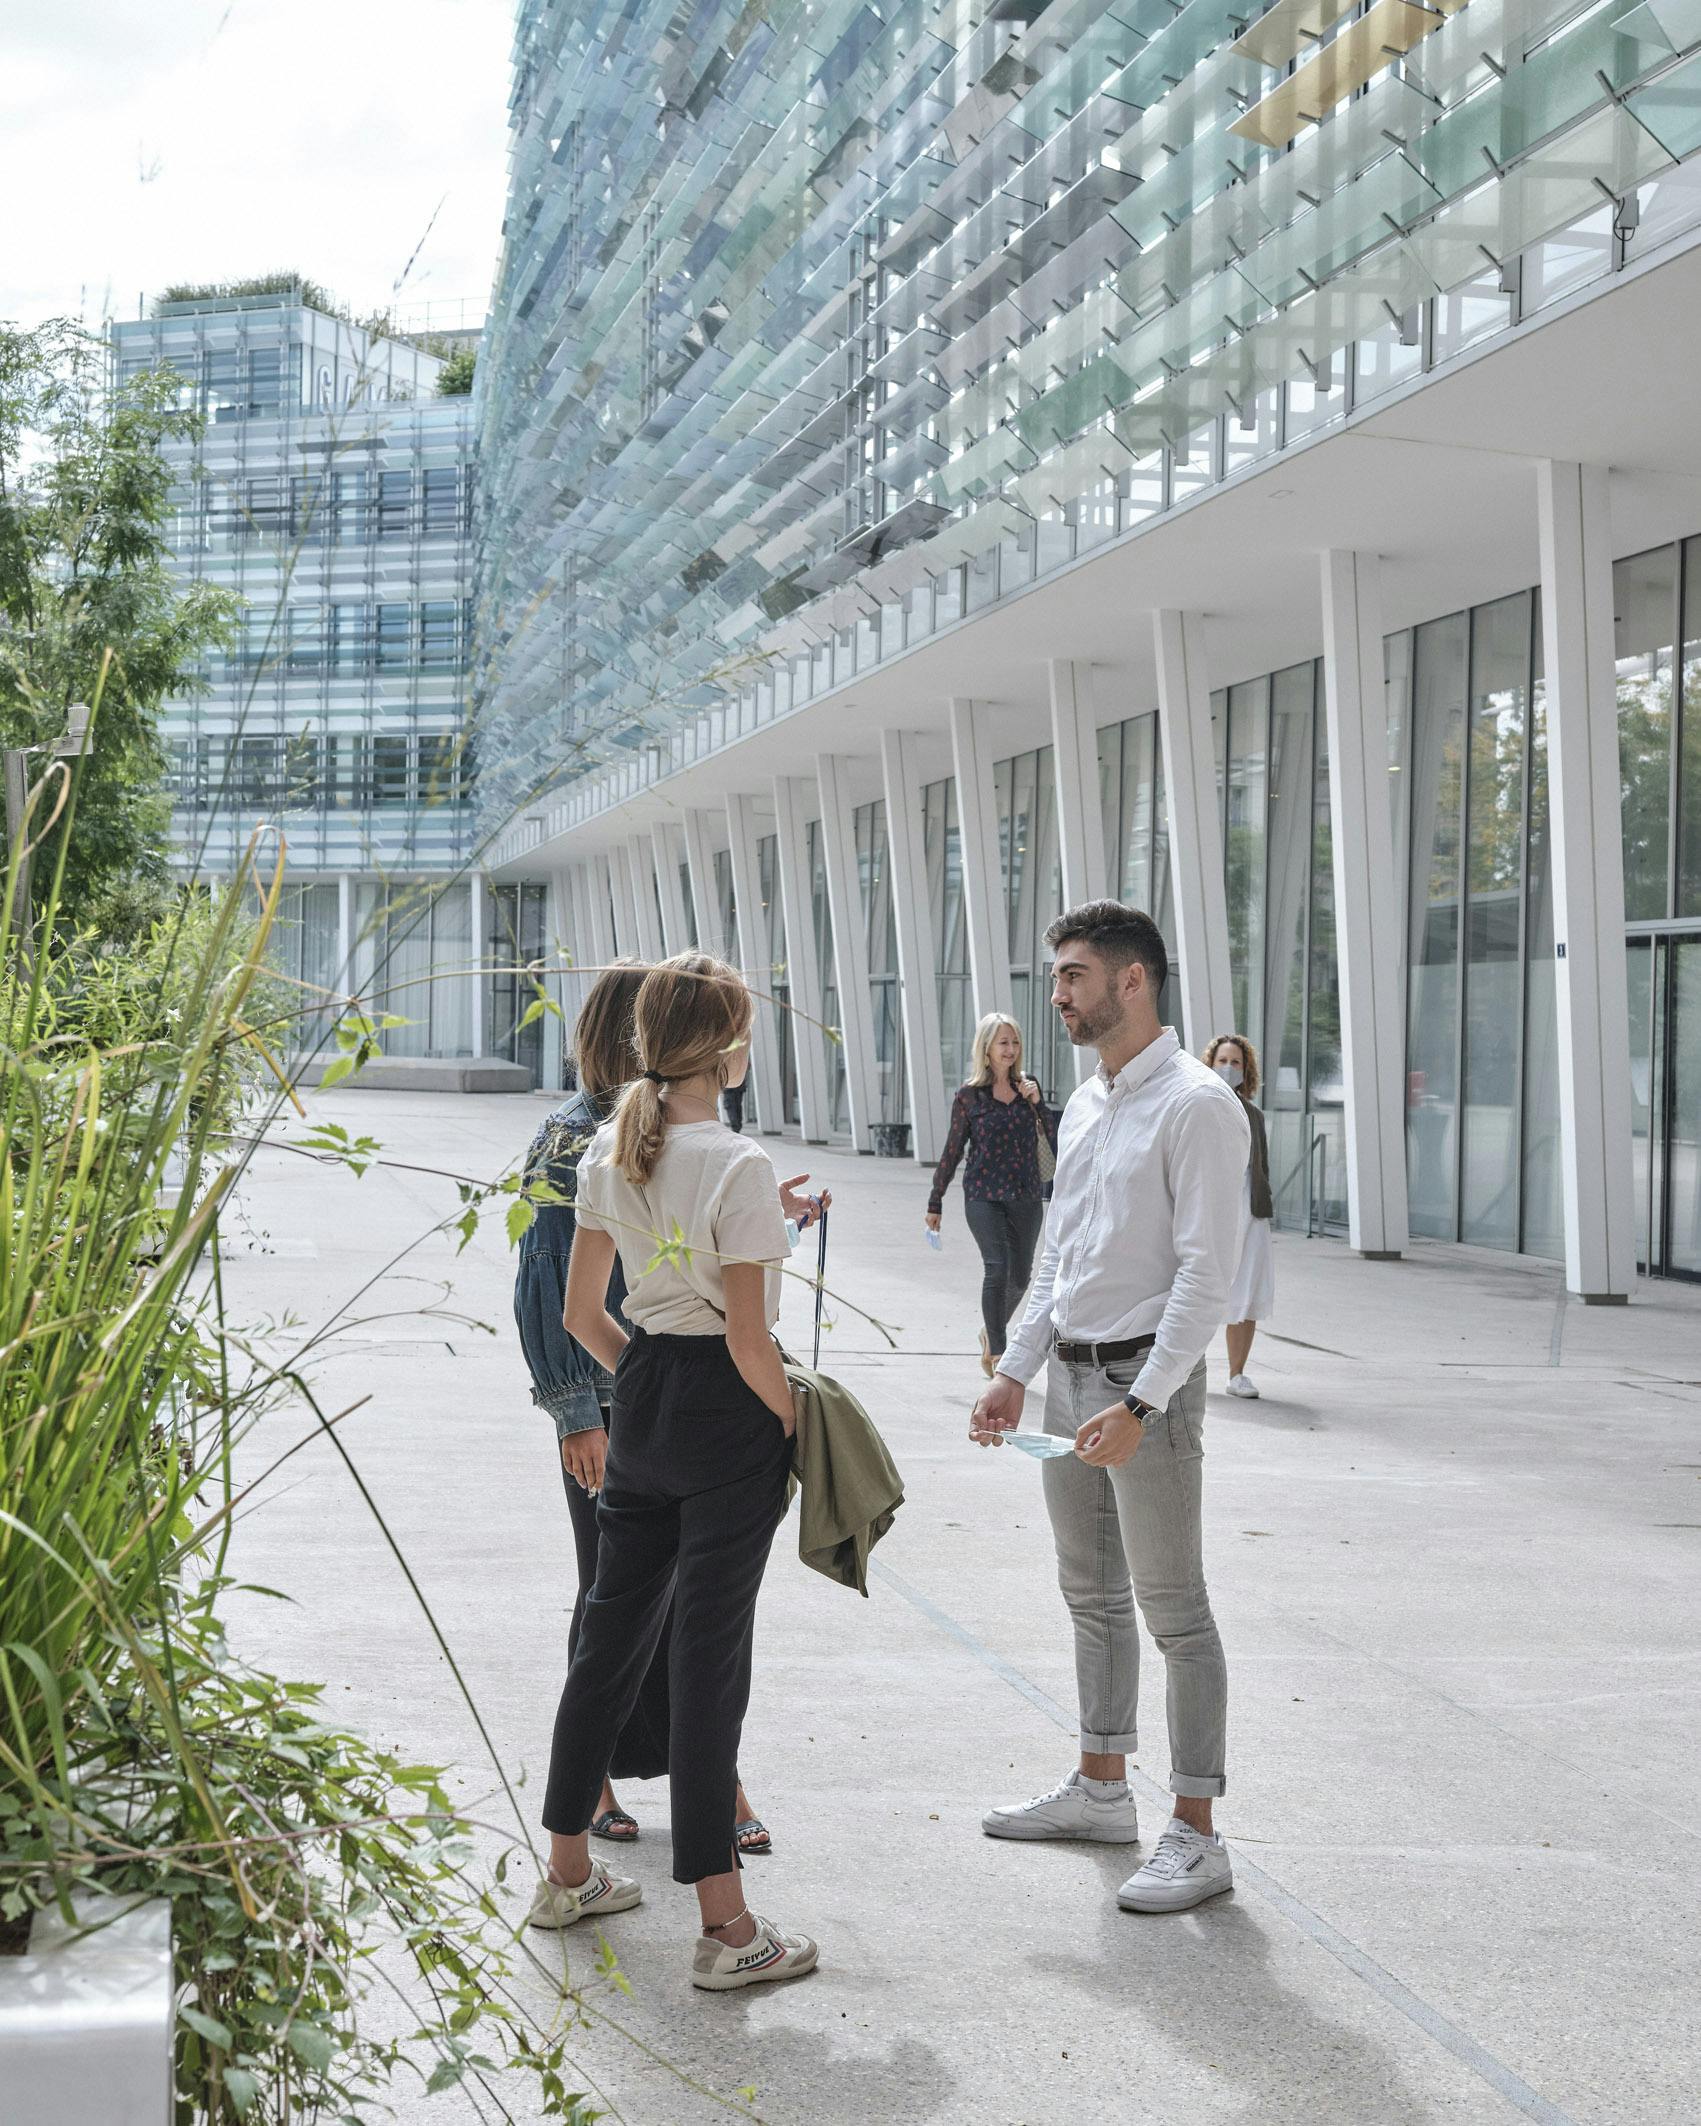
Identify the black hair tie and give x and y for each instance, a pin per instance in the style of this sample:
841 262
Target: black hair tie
655 1077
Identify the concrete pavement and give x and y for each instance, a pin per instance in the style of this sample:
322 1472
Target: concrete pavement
1455 1553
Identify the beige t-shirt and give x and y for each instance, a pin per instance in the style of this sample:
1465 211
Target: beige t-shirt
718 1189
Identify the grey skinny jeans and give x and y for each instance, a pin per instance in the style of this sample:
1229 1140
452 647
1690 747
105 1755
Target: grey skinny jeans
1133 1535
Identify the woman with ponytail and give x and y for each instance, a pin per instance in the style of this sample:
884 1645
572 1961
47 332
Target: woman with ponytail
699 1451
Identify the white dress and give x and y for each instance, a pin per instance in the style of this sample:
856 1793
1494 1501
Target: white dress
1253 1296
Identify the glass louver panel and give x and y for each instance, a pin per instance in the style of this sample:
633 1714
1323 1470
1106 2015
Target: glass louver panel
1389 29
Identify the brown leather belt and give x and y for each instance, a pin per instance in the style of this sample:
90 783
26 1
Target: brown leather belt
1102 1355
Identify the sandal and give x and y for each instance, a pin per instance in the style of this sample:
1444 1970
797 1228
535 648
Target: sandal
752 1836
615 1825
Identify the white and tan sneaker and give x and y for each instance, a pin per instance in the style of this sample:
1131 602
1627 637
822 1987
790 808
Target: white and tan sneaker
720 1967
556 1906
1071 1810
1186 1867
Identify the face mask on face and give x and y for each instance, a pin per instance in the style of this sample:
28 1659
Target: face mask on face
1231 1071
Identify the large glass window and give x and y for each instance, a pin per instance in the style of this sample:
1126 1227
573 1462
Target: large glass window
777 973
1493 939
950 928
874 873
1287 918
1689 740
1243 847
1031 866
1543 1181
832 1036
1645 614
1432 958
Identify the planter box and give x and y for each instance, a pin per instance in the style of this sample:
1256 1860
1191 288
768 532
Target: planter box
86 2019
891 1140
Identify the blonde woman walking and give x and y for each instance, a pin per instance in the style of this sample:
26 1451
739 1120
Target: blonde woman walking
997 1120
699 1450
1235 1060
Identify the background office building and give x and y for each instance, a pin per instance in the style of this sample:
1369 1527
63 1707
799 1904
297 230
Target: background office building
947 461
333 489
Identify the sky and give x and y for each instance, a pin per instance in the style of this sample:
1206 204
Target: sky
361 143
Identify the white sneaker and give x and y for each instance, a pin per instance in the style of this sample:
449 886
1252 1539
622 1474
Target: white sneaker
718 1967
1241 1384
1071 1810
557 1906
1186 1867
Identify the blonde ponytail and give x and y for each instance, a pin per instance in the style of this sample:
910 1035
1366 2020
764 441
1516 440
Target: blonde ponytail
691 1018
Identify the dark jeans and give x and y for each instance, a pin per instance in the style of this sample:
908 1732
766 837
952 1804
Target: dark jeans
640 1749
1006 1234
693 1490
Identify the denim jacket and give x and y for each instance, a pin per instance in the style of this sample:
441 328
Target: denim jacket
566 1380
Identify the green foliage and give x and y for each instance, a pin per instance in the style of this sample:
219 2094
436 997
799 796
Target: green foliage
89 606
308 292
455 378
305 1867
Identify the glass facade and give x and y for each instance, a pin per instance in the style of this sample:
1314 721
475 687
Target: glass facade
816 333
874 874
1032 868
950 930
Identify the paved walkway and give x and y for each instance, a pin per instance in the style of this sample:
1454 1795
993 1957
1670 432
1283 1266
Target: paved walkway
1455 1554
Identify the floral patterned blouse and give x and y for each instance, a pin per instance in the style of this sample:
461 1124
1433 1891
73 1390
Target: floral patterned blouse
1001 1138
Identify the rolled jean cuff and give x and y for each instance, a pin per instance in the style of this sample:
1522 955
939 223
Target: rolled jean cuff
1109 1745
1198 1789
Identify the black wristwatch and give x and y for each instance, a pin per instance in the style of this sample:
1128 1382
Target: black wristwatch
1136 1408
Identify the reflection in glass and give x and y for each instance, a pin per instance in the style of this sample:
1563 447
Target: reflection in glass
1645 606
1289 839
833 1050
1640 956
1490 1143
1689 740
1683 1154
1243 848
874 874
1543 1186
1432 1027
950 928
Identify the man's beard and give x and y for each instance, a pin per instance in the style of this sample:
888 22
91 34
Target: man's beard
1092 1026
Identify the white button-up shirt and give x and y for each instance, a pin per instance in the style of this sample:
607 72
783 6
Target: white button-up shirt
1147 1218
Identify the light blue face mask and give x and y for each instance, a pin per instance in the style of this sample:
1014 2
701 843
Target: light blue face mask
1230 1071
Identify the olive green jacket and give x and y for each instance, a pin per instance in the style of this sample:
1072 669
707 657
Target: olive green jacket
850 1486
1263 1204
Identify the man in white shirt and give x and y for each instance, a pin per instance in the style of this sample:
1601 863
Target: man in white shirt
1141 1244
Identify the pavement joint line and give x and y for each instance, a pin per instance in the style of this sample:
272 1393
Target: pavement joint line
1434 2025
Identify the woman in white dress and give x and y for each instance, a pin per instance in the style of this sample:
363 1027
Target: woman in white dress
1233 1057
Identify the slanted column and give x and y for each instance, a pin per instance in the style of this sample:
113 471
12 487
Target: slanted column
644 897
705 901
1195 828
850 945
803 962
1585 808
753 959
664 841
597 921
626 942
918 982
1367 908
985 915
479 924
1075 767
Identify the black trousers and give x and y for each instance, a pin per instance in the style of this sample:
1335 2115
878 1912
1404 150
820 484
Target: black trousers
693 1490
640 1748
1006 1234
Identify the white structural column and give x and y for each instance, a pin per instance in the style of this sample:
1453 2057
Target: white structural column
625 904
705 901
1367 909
345 933
803 962
1075 767
985 914
641 857
596 922
1588 880
912 910
479 922
754 959
1195 828
664 838
850 946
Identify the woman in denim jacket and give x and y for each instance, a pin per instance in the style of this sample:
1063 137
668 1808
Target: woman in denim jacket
568 1382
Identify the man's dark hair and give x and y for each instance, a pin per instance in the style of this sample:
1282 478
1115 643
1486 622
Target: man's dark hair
1118 934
